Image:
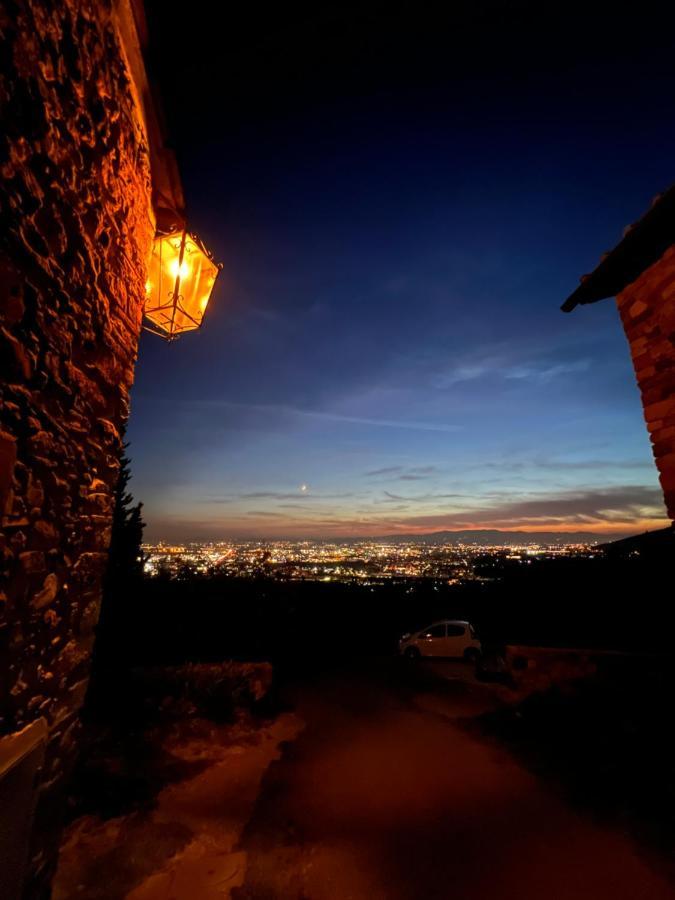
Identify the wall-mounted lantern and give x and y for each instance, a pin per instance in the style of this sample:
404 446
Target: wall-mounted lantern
181 276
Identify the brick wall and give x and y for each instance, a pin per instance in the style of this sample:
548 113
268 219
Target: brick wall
75 230
647 309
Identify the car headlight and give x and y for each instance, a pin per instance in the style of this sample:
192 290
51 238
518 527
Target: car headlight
405 636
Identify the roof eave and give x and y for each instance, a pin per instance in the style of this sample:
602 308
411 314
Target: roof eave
643 244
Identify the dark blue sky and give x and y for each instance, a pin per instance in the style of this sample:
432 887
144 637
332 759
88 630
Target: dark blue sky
401 203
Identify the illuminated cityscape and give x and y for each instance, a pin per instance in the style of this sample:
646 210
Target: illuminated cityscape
362 561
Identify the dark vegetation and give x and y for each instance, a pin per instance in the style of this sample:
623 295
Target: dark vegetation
132 720
124 575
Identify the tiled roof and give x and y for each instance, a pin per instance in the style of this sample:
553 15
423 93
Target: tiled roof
642 245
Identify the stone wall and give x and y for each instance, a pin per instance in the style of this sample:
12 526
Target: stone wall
647 309
75 232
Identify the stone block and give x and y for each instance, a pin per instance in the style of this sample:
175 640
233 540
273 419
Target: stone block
637 308
47 593
32 562
7 463
656 411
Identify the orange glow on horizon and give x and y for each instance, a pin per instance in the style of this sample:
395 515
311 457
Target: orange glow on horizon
289 528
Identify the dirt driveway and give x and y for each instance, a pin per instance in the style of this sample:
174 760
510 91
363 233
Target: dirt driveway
368 787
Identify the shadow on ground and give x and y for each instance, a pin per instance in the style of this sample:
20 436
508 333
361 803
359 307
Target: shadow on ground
607 742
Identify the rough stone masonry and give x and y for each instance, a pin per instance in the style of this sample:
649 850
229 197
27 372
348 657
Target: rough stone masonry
76 229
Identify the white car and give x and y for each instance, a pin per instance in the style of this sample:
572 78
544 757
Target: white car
451 637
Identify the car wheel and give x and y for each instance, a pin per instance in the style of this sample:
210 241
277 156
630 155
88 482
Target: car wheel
471 654
412 653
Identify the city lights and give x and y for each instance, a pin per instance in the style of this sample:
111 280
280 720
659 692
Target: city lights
369 562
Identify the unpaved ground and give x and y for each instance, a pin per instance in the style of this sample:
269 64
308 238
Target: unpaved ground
184 848
372 788
385 796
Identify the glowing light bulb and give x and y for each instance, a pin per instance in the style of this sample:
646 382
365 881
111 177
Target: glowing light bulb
179 271
148 287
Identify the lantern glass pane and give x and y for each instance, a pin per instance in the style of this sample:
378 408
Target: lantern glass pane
180 280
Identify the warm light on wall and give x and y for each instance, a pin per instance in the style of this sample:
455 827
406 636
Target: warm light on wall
181 276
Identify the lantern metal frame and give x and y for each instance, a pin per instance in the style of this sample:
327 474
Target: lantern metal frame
173 303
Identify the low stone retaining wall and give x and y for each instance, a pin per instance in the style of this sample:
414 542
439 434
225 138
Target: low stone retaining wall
212 688
535 669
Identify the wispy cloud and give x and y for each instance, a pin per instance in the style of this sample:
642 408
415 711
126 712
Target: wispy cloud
423 498
543 373
297 496
507 362
328 416
579 507
573 465
602 510
412 473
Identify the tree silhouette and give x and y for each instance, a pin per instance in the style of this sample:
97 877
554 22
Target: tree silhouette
123 578
125 566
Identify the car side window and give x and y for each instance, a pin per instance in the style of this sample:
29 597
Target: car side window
438 631
455 631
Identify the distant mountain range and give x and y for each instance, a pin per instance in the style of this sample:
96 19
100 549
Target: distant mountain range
492 537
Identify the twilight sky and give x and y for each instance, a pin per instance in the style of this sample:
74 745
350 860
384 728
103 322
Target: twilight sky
401 202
